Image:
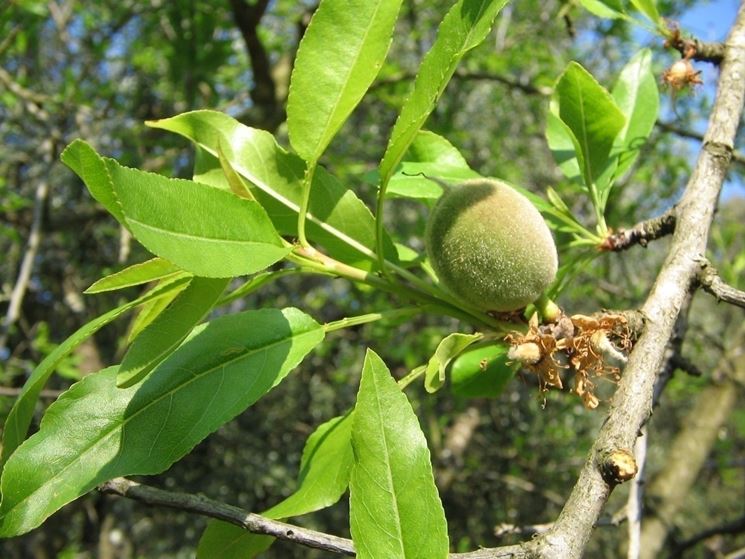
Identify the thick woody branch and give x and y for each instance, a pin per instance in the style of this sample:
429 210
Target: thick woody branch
632 403
737 157
641 233
709 280
228 513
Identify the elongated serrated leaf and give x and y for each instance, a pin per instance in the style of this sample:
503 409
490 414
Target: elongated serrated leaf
88 165
447 350
338 220
395 511
464 27
637 96
481 371
199 228
649 9
237 186
18 421
169 329
609 9
339 56
136 274
595 120
95 431
324 477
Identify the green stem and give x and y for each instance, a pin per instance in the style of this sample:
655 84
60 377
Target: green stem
412 376
255 283
305 203
348 322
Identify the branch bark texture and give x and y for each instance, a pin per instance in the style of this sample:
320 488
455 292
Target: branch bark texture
221 511
632 403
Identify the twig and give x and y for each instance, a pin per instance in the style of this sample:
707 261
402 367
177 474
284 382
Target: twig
228 513
13 392
737 157
695 49
641 233
686 365
709 280
27 263
634 505
734 527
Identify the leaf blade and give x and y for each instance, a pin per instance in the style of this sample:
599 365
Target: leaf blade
96 431
18 420
464 27
169 329
392 475
339 56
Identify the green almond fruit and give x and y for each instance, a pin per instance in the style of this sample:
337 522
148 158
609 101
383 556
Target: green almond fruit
490 246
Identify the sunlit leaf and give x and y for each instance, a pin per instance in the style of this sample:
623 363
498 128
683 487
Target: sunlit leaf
96 431
395 511
339 56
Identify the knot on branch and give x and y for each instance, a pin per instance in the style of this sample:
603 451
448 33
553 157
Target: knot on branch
618 466
692 49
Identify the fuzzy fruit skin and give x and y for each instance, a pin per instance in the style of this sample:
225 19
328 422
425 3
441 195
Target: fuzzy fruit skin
490 246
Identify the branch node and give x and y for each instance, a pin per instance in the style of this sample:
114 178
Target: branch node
618 466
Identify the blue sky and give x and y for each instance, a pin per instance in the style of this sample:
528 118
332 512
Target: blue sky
710 21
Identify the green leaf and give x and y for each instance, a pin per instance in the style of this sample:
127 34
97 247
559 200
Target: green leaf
324 477
637 96
594 119
199 228
482 371
90 167
137 274
395 511
649 9
609 9
149 311
169 329
448 348
339 56
338 220
96 431
564 147
428 156
18 421
464 27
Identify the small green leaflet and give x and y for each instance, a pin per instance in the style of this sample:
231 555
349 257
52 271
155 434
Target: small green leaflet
198 228
637 96
136 274
449 348
464 27
395 511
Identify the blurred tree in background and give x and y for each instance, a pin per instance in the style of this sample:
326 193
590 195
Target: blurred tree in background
504 466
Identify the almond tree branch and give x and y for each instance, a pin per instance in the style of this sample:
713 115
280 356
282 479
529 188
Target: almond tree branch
632 403
737 157
709 280
228 513
641 233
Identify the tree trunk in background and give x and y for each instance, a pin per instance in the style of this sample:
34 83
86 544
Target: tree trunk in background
670 487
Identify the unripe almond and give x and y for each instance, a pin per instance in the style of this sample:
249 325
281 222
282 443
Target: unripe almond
490 246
